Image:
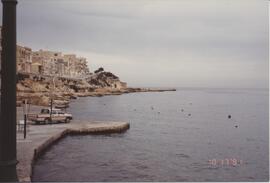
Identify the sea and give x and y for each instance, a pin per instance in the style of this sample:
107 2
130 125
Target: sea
192 134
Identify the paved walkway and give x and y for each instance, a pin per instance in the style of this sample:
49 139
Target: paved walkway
40 137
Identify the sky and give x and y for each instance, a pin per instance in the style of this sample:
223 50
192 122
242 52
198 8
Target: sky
156 43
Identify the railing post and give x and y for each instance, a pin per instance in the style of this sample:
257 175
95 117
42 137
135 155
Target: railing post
8 154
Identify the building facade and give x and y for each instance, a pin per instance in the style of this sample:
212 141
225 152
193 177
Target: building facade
58 64
24 59
49 62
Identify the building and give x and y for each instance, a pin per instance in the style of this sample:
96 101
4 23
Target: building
70 59
55 63
61 67
82 68
24 59
76 67
36 68
49 62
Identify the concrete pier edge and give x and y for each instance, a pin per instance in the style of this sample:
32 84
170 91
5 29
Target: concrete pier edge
25 175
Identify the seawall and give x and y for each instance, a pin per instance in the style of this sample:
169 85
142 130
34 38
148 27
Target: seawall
41 137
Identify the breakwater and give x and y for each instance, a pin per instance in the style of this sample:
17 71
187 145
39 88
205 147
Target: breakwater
41 137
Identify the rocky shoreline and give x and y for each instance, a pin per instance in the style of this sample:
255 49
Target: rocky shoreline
43 99
38 90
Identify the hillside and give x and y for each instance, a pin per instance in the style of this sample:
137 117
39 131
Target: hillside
38 89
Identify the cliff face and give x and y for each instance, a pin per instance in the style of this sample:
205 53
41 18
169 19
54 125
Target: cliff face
39 89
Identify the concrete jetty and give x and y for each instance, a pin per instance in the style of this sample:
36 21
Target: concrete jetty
40 137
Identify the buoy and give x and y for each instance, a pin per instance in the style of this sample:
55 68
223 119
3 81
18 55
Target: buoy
236 126
158 112
229 116
189 114
182 110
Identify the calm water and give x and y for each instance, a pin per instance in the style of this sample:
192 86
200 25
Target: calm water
164 143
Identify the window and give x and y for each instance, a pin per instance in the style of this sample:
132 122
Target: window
45 111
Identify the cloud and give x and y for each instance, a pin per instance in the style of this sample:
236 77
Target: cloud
189 42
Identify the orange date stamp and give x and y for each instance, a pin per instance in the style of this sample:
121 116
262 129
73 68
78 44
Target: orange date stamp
225 162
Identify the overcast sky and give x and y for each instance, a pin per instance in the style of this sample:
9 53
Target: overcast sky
170 43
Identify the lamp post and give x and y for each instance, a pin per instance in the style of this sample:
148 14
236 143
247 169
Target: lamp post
8 159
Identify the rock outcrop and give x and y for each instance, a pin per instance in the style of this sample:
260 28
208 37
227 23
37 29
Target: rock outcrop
40 89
